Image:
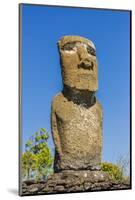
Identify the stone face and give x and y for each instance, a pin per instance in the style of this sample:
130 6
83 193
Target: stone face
79 63
76 114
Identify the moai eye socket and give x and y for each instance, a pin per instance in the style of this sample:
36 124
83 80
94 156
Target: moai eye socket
91 51
69 46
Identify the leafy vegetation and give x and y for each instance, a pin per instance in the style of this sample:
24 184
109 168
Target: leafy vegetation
119 171
113 170
28 163
37 159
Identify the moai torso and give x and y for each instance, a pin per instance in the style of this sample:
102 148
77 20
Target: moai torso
76 114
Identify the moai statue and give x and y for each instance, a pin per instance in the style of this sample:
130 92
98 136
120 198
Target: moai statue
76 114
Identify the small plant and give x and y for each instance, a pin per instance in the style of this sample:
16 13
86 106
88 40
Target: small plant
113 170
37 159
29 163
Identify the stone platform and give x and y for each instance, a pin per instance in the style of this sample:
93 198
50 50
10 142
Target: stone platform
73 181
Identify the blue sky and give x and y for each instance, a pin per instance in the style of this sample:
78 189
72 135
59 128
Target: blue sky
42 27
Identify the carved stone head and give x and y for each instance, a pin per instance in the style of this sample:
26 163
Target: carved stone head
79 63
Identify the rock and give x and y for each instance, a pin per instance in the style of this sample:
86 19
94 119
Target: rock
24 190
75 181
24 185
80 131
77 188
47 189
87 186
79 64
29 182
33 190
76 117
59 188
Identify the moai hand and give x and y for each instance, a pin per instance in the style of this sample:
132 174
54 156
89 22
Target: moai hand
76 114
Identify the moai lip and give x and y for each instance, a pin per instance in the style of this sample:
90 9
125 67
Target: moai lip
76 119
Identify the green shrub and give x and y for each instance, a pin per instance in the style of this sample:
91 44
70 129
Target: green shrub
37 158
113 170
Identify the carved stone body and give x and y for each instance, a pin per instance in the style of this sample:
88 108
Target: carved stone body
77 133
76 114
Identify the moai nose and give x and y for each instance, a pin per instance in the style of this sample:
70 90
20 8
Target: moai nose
86 64
85 61
82 53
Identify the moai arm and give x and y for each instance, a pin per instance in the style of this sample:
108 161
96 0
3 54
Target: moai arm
55 133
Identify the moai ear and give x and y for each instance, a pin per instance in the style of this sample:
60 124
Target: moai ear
59 44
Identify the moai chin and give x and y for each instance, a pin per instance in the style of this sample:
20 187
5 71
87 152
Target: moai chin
76 119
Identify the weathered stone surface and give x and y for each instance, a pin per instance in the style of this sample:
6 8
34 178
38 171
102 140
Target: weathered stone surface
75 181
77 133
76 114
79 63
29 182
